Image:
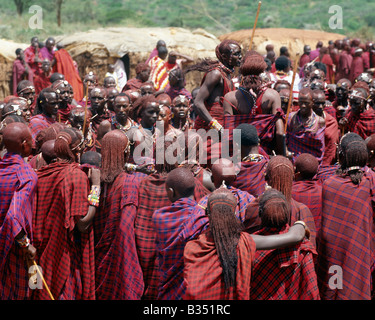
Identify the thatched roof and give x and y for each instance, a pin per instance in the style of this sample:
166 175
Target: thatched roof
7 56
293 39
121 41
95 49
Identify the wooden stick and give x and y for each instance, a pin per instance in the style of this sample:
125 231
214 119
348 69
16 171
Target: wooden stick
291 90
44 281
85 118
255 25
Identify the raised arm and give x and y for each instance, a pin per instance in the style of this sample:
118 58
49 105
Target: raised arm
294 236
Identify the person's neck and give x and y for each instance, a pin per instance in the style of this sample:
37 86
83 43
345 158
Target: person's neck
167 127
228 69
342 101
147 126
178 122
306 117
122 121
245 151
63 105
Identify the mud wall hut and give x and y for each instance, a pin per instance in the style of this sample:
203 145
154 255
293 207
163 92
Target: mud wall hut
95 49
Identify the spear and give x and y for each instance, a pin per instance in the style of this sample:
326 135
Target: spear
44 281
291 89
85 118
255 25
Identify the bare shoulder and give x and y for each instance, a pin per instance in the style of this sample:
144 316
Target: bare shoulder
271 93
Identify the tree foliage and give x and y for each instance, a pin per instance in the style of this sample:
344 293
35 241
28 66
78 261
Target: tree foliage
215 16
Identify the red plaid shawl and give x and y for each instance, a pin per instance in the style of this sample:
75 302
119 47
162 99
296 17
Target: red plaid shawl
302 140
251 177
175 225
324 172
65 255
346 238
364 124
299 211
286 273
118 274
63 114
17 188
38 123
309 192
264 123
331 137
203 271
152 196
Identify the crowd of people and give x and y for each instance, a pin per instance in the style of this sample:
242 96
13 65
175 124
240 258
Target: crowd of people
122 191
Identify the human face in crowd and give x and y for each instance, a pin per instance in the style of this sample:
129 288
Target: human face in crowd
97 98
112 93
235 56
46 66
165 115
319 103
144 75
29 94
305 104
121 107
110 82
90 81
77 118
25 109
146 90
357 101
64 93
342 90
51 105
180 108
50 44
150 114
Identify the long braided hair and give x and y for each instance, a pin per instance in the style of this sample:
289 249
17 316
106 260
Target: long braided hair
226 231
274 210
115 151
66 142
280 174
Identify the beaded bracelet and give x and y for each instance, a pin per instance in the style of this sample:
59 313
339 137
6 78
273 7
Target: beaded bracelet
131 167
94 196
23 242
214 124
300 222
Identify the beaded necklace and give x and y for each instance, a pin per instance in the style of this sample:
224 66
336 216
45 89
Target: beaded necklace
253 157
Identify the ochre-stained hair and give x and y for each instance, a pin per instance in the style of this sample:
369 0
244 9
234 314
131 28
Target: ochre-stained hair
114 155
274 210
280 174
226 230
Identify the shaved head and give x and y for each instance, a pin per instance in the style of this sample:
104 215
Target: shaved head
48 151
17 138
223 170
182 181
